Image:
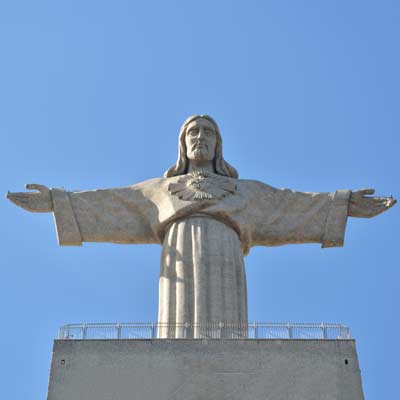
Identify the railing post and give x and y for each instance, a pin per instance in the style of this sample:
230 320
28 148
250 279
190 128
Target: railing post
118 331
220 326
153 334
84 331
290 331
324 331
255 331
186 330
347 333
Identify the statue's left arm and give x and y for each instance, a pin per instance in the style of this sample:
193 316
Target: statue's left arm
286 216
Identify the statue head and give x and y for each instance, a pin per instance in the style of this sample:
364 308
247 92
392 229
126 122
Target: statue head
200 139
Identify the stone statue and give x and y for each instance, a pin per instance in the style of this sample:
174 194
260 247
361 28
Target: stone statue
206 219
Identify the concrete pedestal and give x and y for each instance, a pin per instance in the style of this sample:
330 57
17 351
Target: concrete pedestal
205 370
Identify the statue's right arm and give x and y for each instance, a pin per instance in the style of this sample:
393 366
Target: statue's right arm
39 201
116 215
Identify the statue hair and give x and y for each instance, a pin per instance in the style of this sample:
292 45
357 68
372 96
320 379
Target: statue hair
221 167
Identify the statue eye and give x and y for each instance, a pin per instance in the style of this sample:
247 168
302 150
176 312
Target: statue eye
209 132
193 132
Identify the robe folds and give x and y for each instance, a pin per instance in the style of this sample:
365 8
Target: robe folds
202 276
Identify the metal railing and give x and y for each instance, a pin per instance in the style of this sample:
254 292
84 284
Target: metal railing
214 330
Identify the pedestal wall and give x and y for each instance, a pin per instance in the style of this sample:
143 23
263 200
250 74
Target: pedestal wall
162 369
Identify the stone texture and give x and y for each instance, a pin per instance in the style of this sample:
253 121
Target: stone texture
205 370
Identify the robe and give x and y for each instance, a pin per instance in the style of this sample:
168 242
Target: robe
202 276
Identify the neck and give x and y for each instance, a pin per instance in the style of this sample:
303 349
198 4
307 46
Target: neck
206 166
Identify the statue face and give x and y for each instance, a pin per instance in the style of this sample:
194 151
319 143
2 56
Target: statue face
201 140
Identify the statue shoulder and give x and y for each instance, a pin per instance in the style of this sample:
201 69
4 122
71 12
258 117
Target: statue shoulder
254 186
149 182
153 183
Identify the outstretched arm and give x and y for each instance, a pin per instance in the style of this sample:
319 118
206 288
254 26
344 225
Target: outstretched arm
285 216
363 206
120 215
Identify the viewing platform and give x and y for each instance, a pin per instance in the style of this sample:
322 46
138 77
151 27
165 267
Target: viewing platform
211 330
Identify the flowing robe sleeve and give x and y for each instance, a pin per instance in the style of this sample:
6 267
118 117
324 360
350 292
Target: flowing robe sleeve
122 215
283 216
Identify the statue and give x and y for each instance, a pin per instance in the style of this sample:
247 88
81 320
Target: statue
206 220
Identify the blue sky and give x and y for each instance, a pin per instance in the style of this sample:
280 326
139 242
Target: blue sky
93 93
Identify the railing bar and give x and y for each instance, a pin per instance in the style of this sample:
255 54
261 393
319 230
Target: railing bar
208 330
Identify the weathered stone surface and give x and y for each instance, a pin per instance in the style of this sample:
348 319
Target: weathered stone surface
205 370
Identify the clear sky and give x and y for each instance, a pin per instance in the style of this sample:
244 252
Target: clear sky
92 96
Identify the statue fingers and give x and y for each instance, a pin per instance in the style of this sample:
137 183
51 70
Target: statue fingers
380 200
36 186
386 202
20 199
364 192
358 195
31 186
390 202
382 207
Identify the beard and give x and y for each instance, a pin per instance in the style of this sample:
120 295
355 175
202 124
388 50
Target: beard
201 154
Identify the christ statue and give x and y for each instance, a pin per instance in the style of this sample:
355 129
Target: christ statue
206 220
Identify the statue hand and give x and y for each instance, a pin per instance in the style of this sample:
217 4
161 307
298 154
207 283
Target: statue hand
367 207
39 201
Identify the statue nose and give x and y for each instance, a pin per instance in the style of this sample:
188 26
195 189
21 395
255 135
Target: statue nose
201 134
